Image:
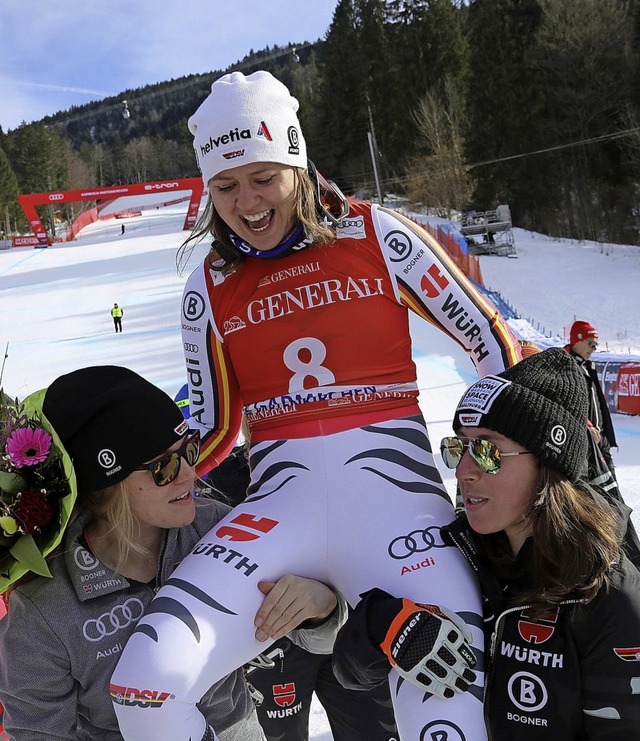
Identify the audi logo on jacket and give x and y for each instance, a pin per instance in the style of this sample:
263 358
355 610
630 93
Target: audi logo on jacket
77 643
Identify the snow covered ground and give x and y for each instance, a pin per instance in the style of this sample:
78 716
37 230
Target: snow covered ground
54 315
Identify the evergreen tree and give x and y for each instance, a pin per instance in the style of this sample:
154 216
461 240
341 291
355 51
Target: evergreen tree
503 104
9 208
428 47
341 149
37 155
584 71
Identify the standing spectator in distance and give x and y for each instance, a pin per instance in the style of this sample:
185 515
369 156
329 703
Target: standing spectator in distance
583 341
122 228
127 493
117 313
562 602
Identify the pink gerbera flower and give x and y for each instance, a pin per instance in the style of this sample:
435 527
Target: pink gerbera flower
28 446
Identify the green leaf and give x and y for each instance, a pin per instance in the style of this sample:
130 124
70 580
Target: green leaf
26 552
8 525
12 483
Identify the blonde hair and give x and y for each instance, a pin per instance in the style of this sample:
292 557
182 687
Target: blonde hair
224 257
113 506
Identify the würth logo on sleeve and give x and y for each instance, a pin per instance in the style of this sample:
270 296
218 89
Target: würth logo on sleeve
433 282
245 527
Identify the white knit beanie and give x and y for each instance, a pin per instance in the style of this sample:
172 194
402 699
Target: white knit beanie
244 120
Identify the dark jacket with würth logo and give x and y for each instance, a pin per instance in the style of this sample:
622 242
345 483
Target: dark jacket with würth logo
574 675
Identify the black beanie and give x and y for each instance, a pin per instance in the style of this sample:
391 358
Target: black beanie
110 420
541 403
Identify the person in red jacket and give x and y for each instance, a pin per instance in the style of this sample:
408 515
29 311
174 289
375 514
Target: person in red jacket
298 319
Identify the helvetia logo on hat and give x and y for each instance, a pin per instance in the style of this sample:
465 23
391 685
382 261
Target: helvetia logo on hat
234 135
263 132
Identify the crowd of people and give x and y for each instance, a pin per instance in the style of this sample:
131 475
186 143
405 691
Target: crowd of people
181 586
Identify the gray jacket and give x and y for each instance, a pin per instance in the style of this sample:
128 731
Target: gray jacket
62 637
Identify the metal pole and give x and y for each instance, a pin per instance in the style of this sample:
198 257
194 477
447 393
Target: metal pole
373 146
375 168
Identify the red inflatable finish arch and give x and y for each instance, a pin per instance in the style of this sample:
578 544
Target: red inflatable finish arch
31 200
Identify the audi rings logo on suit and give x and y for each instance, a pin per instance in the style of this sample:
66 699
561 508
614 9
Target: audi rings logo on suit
117 618
417 541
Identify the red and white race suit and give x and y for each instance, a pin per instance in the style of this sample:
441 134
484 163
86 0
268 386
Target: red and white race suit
314 348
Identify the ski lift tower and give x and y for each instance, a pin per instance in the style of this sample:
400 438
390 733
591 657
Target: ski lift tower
489 232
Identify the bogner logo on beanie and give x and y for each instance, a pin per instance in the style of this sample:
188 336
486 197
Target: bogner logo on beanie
245 120
541 403
110 420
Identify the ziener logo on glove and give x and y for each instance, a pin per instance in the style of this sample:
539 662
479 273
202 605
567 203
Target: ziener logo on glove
405 633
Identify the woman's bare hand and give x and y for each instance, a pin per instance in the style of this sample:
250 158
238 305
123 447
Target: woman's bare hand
290 601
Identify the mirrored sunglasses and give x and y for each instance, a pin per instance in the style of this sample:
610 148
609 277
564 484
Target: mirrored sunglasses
485 454
166 468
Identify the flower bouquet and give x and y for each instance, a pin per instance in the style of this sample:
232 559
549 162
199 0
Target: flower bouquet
37 488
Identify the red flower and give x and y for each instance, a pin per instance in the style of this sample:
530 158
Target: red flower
32 510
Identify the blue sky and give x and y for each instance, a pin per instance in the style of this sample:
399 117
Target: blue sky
57 54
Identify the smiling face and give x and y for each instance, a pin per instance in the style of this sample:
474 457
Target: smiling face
163 506
257 201
500 501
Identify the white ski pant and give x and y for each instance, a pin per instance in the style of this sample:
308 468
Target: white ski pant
356 510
